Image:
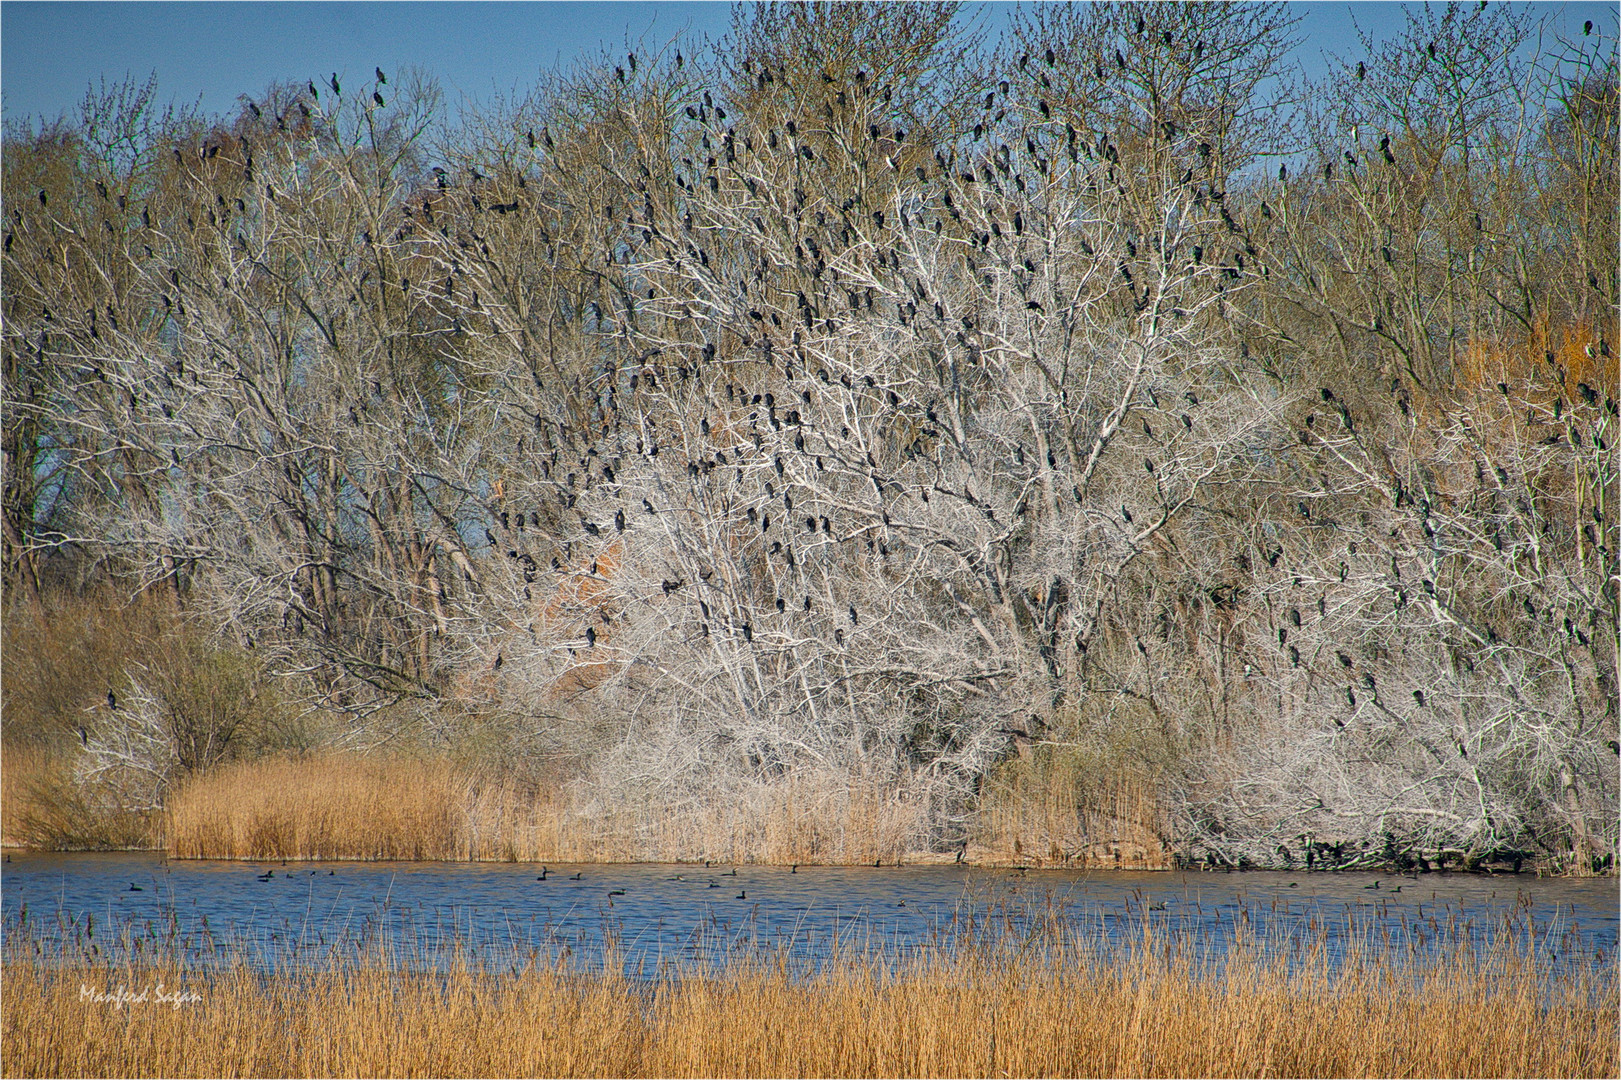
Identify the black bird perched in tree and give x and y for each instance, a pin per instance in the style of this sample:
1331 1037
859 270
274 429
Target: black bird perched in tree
112 700
381 78
591 637
1418 696
854 621
334 81
377 98
1361 70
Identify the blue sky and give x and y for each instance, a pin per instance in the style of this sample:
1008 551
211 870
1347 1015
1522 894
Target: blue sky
213 52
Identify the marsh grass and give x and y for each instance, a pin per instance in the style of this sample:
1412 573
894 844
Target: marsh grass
1056 807
1055 1004
336 806
41 806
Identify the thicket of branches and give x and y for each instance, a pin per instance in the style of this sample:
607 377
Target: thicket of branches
863 399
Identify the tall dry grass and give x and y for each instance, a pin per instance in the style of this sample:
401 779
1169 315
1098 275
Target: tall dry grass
1059 1011
1063 809
338 806
42 807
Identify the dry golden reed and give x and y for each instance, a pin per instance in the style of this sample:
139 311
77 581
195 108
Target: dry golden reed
42 807
1065 1011
338 806
1051 810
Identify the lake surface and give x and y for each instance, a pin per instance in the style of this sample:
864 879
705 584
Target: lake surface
645 916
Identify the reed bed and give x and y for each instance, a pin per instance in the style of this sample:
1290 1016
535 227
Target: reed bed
1056 810
41 806
1057 1006
337 806
331 807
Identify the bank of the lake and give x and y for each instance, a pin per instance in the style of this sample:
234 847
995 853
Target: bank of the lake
412 808
433 807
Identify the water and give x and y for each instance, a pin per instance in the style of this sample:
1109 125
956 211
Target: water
650 916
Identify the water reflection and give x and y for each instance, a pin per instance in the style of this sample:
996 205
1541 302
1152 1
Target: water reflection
647 917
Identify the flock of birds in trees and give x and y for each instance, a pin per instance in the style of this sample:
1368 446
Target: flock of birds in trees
995 170
989 194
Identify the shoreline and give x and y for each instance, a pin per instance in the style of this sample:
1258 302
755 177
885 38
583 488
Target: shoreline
918 859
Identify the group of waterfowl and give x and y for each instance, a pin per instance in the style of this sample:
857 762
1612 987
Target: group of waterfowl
742 894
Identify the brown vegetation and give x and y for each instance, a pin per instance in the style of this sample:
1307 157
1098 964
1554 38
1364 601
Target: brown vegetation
62 655
1062 1011
41 806
1050 808
336 806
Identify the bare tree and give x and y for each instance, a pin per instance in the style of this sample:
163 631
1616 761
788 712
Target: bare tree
861 405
